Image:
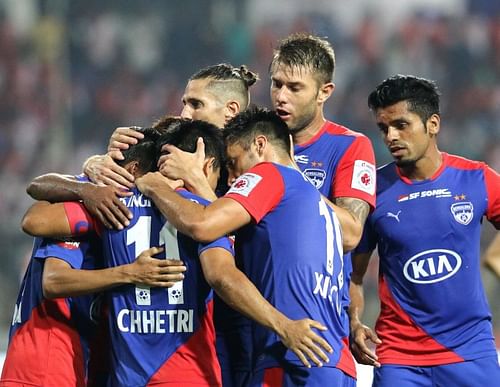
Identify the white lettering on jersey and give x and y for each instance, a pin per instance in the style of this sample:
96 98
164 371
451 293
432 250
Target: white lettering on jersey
301 159
326 288
16 318
136 201
155 321
432 266
432 193
245 184
363 176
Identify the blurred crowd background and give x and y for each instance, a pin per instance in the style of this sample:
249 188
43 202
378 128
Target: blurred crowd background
72 71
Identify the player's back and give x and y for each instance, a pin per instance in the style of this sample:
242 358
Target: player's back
156 332
293 254
49 338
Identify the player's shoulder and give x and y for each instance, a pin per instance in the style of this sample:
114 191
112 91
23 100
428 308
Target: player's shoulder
338 129
387 174
193 197
460 162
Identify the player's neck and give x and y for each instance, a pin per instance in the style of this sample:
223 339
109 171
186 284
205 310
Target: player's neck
304 135
425 168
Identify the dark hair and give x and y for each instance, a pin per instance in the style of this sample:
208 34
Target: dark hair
145 152
185 135
228 79
245 126
421 95
167 123
305 50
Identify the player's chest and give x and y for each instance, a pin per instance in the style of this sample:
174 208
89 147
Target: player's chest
416 211
318 164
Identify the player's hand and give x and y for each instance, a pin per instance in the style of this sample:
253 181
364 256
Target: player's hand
121 139
104 204
147 182
360 333
101 169
299 337
177 164
155 272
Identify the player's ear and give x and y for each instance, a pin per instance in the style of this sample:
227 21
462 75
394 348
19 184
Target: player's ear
325 91
433 124
232 109
260 144
208 166
133 168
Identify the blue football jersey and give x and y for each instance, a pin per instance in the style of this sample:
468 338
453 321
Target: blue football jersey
49 339
292 252
433 306
157 333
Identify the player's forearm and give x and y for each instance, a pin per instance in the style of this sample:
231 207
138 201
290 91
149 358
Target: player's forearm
183 214
200 186
241 294
55 187
72 282
357 305
352 228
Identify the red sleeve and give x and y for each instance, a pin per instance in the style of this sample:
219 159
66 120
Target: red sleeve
80 221
356 173
492 180
259 190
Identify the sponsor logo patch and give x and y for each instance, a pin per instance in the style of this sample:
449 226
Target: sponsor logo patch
432 266
432 193
69 245
463 212
301 159
245 184
315 176
363 177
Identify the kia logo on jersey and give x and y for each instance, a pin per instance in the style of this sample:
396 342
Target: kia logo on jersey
432 266
315 176
463 212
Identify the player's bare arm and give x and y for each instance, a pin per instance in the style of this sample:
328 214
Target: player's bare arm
101 201
61 280
44 219
202 223
102 169
177 164
492 256
121 139
360 333
352 214
240 294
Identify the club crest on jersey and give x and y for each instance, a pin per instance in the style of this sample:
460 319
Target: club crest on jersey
245 184
463 212
315 176
363 177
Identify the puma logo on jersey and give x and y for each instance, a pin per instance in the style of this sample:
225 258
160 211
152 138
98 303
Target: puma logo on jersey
395 216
